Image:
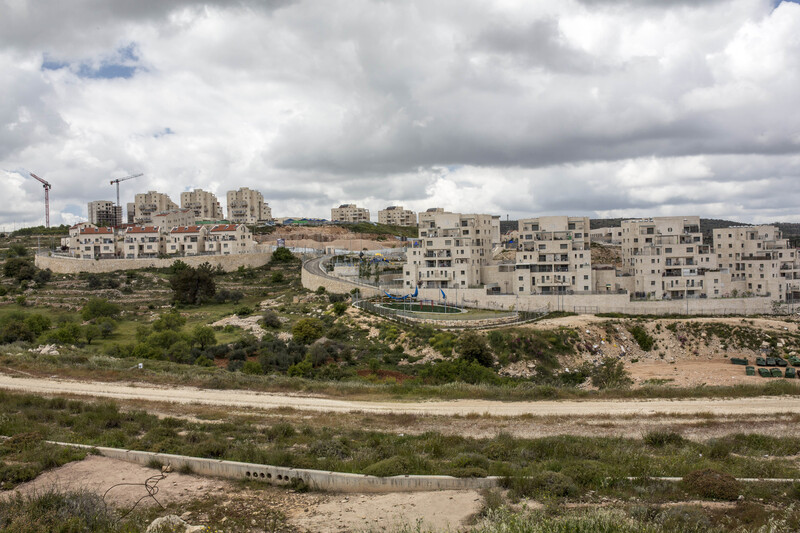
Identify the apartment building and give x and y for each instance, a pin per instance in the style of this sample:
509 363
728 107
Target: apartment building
451 251
668 260
87 241
176 217
395 215
144 241
187 240
104 213
761 262
612 235
145 205
553 256
226 239
425 217
247 206
349 213
203 204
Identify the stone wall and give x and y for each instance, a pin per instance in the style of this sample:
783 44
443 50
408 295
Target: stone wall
71 265
312 282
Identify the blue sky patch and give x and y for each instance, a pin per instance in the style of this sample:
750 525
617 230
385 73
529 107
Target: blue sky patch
121 64
165 131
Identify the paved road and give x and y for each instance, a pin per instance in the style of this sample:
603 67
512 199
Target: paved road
261 400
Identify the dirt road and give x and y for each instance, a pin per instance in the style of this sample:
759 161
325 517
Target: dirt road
261 400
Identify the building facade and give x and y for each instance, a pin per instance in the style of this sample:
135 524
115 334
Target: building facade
451 251
247 206
425 217
226 239
668 260
553 256
104 213
144 241
349 213
187 240
147 204
203 204
87 241
395 215
176 217
761 262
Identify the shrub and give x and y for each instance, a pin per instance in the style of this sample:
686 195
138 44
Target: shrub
193 285
611 374
339 308
270 319
642 338
203 336
67 333
472 346
543 484
276 277
37 323
395 466
99 307
712 484
302 369
252 368
282 255
203 361
307 330
244 311
171 320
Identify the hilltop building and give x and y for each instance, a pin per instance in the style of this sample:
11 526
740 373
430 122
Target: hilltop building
349 213
246 206
553 255
145 205
395 215
203 204
104 213
452 251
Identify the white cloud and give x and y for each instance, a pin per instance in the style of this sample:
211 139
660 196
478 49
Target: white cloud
583 107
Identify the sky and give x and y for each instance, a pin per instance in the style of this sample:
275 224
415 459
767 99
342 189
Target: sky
601 108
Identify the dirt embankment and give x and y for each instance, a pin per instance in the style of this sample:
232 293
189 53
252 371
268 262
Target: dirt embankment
327 236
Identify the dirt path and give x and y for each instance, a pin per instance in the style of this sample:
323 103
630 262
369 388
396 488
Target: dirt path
262 400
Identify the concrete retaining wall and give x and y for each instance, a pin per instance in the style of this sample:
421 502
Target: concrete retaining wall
71 265
312 282
316 479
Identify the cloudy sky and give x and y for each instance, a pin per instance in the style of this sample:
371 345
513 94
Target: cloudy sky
593 107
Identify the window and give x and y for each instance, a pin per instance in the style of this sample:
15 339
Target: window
585 276
667 250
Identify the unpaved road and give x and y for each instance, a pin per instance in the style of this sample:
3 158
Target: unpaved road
263 400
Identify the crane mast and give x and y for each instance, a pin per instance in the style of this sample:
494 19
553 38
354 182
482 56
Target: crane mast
116 181
47 187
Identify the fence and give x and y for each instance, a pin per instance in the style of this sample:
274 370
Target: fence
411 317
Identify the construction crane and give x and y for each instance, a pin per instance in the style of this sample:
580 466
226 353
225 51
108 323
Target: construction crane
123 179
47 187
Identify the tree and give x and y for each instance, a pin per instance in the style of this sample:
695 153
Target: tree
339 308
270 319
171 320
611 374
472 347
19 268
307 330
99 307
90 332
203 336
282 255
277 277
193 285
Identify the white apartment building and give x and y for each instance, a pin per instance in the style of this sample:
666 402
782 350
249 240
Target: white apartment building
349 213
553 256
611 235
147 204
668 260
247 206
203 204
451 251
425 217
760 261
226 239
176 217
87 241
144 241
104 213
187 240
395 215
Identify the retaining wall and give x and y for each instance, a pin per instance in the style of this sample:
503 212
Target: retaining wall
71 265
316 479
312 282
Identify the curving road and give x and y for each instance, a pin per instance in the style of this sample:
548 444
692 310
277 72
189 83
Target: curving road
264 400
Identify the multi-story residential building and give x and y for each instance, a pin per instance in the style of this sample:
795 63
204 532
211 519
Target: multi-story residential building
425 217
451 251
611 235
176 217
147 204
395 215
187 240
87 241
349 213
760 260
203 204
104 213
668 260
246 206
553 256
144 241
226 239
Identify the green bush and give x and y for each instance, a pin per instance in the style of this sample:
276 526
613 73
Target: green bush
270 319
282 255
252 368
542 484
611 374
713 484
642 338
397 466
99 307
658 439
339 308
307 330
471 346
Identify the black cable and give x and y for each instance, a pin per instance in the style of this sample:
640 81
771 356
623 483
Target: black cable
150 485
